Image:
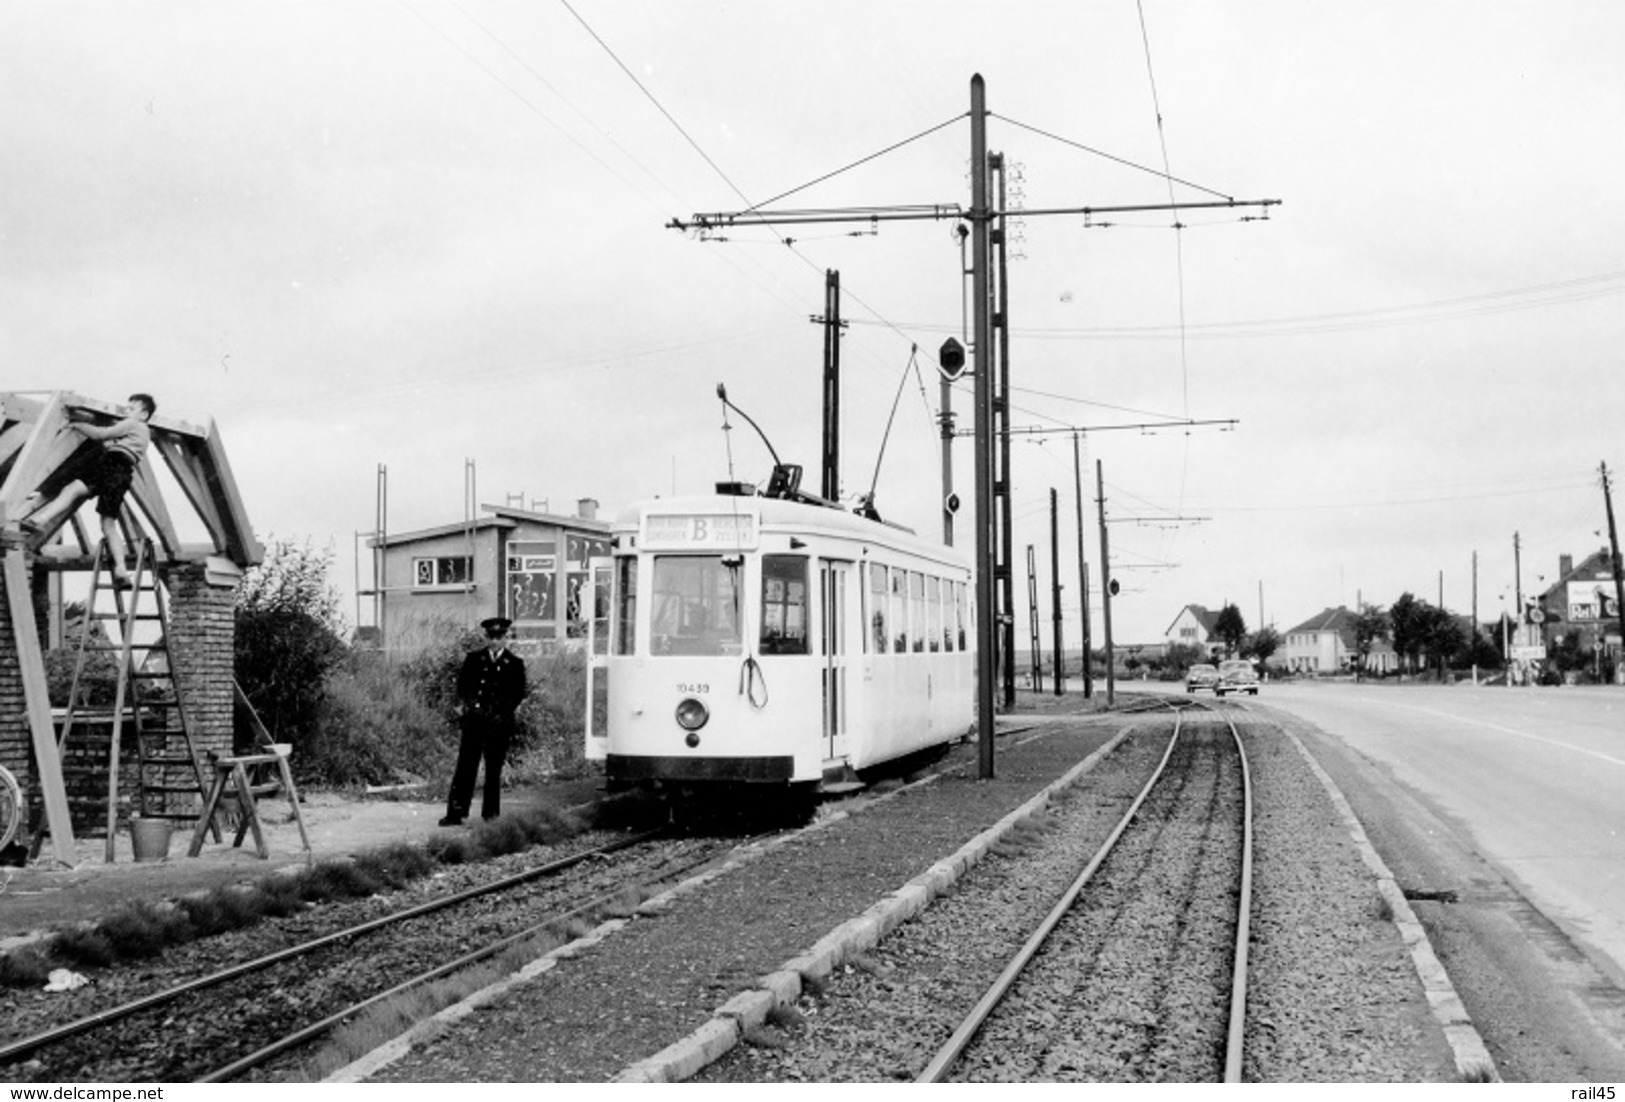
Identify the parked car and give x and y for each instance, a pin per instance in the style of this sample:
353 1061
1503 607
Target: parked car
1203 675
1236 676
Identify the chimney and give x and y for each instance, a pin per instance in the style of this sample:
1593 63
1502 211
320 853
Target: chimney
587 508
1565 565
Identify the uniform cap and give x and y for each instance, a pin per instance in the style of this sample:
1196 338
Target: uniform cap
496 626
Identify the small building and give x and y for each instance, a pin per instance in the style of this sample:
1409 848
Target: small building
1583 600
531 567
1193 627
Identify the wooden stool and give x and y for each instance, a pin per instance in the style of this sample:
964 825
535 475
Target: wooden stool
233 772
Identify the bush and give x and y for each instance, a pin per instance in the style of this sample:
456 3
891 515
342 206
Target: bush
375 726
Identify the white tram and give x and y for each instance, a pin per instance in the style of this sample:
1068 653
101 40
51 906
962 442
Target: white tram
778 641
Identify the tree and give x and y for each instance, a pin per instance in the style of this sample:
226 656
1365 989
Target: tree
1407 621
289 637
1264 643
1231 628
1442 636
1369 627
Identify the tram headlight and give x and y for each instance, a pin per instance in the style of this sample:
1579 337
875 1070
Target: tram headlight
692 714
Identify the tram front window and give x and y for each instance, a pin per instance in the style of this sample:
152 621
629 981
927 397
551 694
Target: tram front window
697 605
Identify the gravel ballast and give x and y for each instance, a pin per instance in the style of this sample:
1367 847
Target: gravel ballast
1334 995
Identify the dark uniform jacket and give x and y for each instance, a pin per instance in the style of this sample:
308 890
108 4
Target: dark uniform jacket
491 689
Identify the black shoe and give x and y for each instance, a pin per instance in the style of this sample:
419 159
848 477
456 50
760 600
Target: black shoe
488 818
452 821
121 582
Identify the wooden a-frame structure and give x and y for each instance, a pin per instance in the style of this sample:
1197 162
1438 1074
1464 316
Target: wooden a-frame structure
39 454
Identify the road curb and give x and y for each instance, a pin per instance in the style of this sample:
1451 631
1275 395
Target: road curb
1473 1060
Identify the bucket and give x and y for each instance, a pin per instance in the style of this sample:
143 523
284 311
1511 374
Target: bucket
150 838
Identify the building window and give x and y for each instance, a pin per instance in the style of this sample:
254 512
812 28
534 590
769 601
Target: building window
445 570
532 571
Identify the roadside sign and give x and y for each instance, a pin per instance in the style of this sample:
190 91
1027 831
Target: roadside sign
1527 654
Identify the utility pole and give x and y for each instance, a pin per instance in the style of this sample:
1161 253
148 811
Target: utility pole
1001 430
1105 586
979 218
1619 570
1083 570
1035 642
1474 643
985 616
1055 587
831 481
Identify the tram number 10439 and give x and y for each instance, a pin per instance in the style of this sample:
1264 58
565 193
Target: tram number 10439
693 688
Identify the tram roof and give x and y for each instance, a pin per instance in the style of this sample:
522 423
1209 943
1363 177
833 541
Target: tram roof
786 514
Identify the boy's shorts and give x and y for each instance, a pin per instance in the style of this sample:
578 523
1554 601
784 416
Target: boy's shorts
111 481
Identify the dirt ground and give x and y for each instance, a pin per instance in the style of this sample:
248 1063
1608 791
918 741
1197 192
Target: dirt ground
46 894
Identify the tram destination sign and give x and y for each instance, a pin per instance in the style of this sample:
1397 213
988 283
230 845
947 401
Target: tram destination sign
699 531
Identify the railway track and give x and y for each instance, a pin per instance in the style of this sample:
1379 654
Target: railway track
231 1020
1178 897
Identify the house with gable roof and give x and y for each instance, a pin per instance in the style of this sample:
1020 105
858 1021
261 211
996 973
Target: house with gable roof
1326 644
1193 627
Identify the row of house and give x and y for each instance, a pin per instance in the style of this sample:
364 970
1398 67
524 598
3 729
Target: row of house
1582 600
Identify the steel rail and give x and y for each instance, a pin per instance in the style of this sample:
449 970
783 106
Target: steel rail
972 1024
15 1050
332 1021
1244 909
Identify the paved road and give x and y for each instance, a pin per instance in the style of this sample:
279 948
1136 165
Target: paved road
1535 775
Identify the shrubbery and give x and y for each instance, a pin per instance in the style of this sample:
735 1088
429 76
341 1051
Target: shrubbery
353 716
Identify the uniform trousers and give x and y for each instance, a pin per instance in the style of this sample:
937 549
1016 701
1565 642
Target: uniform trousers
487 738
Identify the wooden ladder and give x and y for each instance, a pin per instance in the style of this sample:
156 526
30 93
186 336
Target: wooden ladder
166 758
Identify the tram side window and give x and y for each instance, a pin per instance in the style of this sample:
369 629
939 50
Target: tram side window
696 605
899 611
877 606
916 609
959 611
626 609
933 614
784 604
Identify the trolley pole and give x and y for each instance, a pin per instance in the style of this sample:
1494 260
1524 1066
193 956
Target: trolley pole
986 624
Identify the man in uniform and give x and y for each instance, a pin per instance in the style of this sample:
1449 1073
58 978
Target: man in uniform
490 688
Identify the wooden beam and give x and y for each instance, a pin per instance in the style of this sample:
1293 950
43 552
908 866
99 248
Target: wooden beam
180 455
37 699
49 443
144 488
241 545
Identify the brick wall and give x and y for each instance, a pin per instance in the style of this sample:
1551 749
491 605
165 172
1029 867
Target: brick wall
202 631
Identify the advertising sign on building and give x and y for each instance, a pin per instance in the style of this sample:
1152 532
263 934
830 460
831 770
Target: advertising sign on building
1592 600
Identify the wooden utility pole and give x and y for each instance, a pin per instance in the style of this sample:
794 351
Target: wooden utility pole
1619 569
1105 586
1055 587
1083 570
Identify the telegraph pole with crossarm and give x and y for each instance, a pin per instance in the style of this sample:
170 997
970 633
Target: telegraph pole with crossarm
980 218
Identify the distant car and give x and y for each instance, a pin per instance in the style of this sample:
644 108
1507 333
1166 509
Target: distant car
1236 676
1202 676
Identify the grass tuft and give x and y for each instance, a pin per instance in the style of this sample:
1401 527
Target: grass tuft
25 967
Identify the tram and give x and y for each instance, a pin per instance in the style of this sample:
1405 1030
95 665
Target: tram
777 640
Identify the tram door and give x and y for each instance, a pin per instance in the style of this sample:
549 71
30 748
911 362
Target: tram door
594 609
833 587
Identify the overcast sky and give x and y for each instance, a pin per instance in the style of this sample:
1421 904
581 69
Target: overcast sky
419 233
